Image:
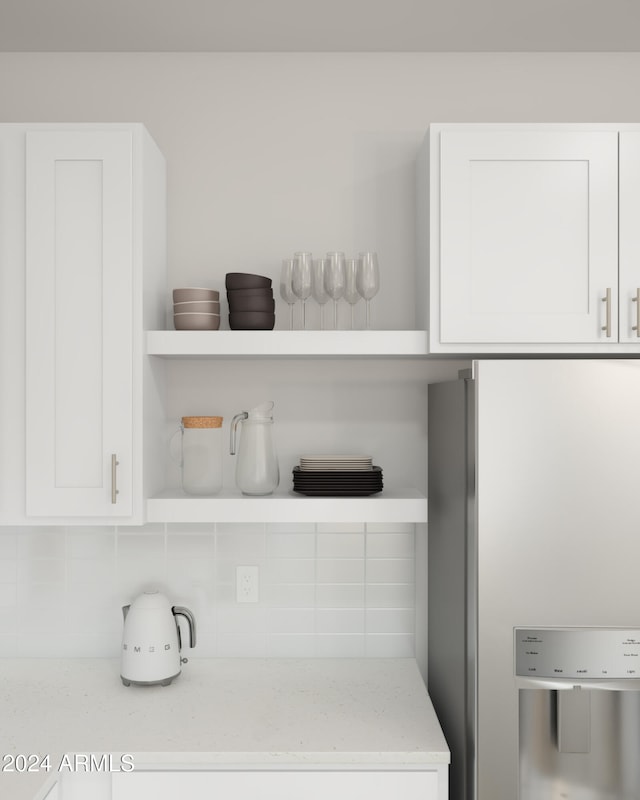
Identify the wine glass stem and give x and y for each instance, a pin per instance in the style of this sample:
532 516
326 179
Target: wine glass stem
335 315
290 316
321 319
368 315
351 317
304 314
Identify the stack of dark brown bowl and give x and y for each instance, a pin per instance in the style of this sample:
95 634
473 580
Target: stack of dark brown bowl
251 303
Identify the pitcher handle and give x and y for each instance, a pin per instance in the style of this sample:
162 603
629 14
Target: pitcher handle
234 427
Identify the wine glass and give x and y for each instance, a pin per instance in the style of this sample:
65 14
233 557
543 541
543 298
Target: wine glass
368 279
317 285
286 289
334 281
301 281
351 293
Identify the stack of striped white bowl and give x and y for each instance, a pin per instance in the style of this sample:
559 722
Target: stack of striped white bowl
196 309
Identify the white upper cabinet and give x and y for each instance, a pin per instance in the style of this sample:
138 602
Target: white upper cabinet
79 273
88 204
630 237
524 237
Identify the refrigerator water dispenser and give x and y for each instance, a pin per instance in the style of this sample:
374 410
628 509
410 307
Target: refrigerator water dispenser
578 713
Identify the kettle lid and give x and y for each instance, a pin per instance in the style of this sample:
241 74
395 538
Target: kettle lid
151 598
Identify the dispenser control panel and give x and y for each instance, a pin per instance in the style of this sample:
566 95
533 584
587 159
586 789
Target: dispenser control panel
577 653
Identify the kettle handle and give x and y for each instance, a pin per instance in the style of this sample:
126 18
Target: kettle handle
184 612
234 427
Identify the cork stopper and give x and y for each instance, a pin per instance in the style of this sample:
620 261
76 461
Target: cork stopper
202 422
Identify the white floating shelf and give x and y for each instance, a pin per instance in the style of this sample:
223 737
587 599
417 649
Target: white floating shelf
287 343
403 505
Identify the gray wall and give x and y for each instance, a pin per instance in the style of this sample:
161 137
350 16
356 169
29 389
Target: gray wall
270 153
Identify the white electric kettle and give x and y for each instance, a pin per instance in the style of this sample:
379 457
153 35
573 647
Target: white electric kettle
151 640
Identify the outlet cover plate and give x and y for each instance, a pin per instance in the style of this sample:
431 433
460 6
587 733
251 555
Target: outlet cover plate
247 584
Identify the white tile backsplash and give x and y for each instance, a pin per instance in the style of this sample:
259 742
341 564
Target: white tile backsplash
336 595
290 620
8 570
290 570
42 570
41 618
340 527
291 545
341 646
91 570
340 545
291 527
390 570
338 590
8 543
390 545
390 646
390 620
8 595
340 620
390 595
289 595
191 546
41 595
238 545
241 646
42 543
291 646
336 570
91 543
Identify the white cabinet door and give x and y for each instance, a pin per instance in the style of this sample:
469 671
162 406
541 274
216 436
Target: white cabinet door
527 241
11 323
266 785
630 237
79 322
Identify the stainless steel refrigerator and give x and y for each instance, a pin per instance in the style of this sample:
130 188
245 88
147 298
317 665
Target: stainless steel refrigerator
534 578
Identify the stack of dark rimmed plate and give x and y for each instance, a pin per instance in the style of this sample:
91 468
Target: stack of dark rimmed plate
251 303
337 476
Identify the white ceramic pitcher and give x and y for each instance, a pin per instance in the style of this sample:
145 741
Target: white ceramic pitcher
257 471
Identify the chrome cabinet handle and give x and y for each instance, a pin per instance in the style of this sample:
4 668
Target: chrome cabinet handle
607 301
114 490
636 300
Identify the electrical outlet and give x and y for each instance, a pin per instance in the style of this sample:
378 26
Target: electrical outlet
247 584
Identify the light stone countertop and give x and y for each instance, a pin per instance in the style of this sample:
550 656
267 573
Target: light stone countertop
247 713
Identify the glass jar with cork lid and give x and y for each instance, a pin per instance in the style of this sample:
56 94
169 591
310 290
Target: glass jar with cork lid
201 455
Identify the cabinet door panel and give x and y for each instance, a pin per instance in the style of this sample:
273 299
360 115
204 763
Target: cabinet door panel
528 235
11 323
312 785
79 322
629 237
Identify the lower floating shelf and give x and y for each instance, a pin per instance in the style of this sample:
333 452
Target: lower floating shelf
402 505
180 344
